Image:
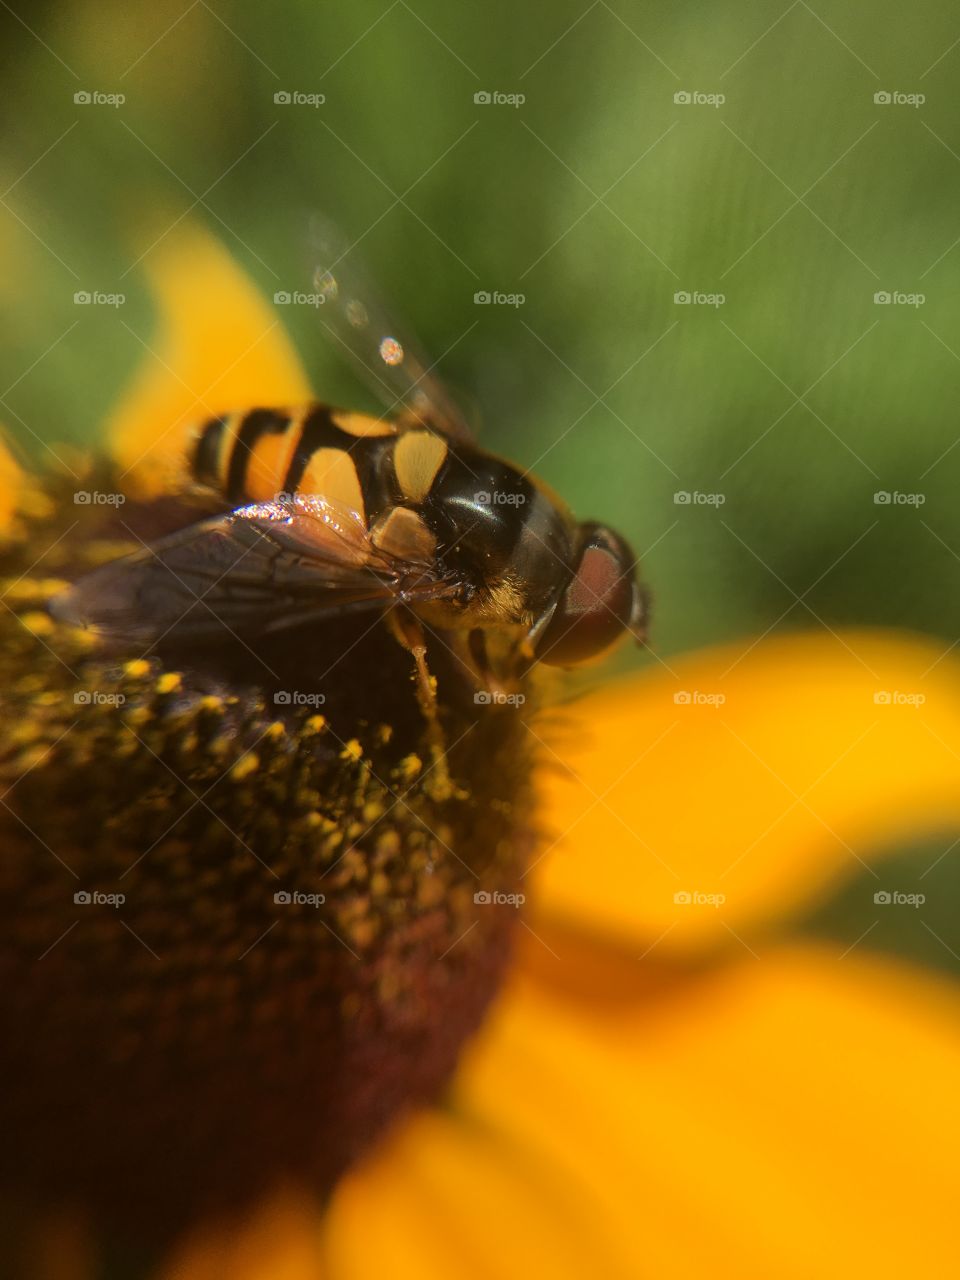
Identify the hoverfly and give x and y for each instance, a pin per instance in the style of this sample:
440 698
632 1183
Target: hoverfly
332 511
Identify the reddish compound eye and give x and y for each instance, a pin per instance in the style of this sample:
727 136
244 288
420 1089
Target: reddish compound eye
602 600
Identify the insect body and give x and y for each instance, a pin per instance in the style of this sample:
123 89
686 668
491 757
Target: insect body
331 511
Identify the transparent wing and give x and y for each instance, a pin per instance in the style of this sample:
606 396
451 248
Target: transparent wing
258 568
382 352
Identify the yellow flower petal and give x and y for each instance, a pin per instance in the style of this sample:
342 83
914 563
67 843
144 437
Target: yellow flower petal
280 1241
454 1197
788 1117
818 754
219 346
11 480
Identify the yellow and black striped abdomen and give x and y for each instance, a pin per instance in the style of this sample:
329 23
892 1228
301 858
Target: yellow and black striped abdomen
255 455
475 516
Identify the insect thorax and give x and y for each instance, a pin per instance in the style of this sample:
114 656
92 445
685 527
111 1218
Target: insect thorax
500 530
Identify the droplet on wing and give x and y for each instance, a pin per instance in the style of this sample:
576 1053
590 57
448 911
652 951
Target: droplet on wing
391 352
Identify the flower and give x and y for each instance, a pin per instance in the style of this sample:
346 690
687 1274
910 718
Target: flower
672 1089
673 1080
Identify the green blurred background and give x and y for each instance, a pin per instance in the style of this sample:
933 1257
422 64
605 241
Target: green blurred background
798 198
599 198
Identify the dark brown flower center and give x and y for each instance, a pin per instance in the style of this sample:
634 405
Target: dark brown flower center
248 921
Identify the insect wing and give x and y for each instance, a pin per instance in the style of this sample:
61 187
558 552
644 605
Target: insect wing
387 360
257 568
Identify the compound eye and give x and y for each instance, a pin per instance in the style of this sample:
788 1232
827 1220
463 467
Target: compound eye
597 606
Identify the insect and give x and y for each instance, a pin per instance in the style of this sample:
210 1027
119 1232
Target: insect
332 512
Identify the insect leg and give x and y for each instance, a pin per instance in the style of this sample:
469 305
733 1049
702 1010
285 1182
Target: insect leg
408 633
502 679
481 665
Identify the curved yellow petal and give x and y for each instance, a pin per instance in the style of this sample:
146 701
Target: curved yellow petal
280 1241
11 482
684 807
455 1196
790 1117
218 345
